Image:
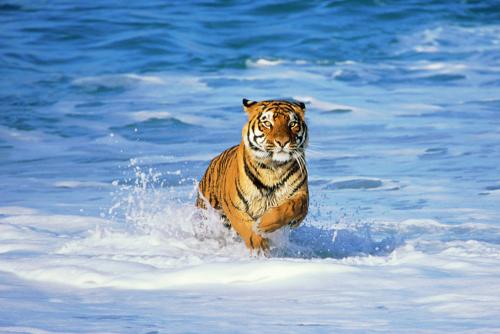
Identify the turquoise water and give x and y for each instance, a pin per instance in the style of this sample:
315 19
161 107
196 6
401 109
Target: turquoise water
112 111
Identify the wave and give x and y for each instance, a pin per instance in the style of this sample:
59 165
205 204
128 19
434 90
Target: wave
154 238
325 105
152 130
452 39
72 184
173 248
263 62
132 80
118 80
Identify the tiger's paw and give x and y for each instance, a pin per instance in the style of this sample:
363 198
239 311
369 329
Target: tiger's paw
258 244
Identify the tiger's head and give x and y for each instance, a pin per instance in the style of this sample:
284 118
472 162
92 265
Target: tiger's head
276 129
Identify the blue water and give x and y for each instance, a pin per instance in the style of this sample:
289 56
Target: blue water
419 82
403 108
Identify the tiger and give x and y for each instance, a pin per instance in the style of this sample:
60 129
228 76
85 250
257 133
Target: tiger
261 184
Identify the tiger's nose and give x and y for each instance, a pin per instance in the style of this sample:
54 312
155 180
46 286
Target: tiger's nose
282 142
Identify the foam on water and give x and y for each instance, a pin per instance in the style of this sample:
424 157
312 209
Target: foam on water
155 238
263 62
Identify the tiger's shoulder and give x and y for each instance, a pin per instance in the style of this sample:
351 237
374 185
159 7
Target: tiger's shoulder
211 185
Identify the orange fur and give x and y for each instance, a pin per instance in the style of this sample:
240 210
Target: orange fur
260 185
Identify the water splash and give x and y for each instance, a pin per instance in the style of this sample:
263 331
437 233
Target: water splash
145 205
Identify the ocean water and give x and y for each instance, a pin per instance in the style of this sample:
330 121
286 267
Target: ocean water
110 112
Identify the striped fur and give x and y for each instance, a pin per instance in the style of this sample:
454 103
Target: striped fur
260 185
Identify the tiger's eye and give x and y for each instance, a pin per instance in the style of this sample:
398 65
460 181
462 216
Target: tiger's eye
293 124
267 124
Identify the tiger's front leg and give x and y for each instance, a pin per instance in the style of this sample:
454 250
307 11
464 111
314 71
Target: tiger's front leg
243 223
293 211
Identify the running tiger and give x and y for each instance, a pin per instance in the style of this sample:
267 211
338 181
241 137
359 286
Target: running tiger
260 185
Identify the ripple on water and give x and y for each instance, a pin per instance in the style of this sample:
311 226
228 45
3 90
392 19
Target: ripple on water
355 184
161 131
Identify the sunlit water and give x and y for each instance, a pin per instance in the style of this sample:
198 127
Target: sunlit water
110 113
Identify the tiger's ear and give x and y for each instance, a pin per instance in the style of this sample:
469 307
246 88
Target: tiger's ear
302 105
247 104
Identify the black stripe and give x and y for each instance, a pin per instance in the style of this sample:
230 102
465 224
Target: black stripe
252 145
258 183
222 164
216 204
233 148
216 168
287 109
255 148
281 163
260 126
303 137
225 202
292 171
250 164
208 174
212 199
298 186
248 103
229 156
241 196
257 124
263 166
226 156
234 204
255 180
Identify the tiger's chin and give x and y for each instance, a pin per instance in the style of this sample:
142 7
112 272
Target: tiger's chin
281 157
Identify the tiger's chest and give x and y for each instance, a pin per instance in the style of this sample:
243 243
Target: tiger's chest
260 200
259 204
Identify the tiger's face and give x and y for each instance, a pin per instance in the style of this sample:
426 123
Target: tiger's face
276 129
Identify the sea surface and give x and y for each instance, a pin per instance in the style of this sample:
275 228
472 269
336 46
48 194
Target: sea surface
110 112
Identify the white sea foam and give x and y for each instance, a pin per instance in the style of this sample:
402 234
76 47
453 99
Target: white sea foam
261 62
439 67
146 115
28 330
17 210
409 226
71 184
273 73
451 38
131 80
54 223
324 105
346 62
188 118
162 259
118 80
154 159
264 63
169 246
166 244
